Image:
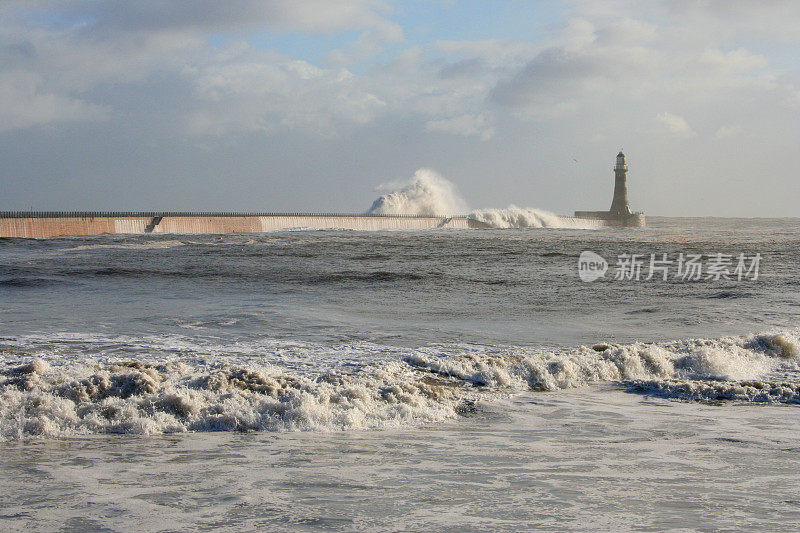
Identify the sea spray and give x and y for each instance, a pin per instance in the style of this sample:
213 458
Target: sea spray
426 193
528 217
53 396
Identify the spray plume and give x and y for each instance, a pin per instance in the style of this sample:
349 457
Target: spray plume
429 194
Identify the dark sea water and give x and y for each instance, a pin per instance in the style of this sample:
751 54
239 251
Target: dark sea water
445 379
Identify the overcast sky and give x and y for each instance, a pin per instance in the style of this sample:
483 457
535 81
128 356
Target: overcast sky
309 105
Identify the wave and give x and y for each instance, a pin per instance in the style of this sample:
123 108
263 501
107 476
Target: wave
528 217
379 276
50 396
428 193
27 281
133 397
149 245
720 391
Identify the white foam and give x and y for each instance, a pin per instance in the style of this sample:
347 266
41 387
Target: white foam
149 245
729 359
38 400
528 217
717 391
52 395
426 193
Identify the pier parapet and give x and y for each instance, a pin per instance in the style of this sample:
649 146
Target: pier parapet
42 225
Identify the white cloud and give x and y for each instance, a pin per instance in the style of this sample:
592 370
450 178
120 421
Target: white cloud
465 125
598 60
369 43
233 90
255 91
626 32
497 53
26 104
739 60
728 131
676 125
579 34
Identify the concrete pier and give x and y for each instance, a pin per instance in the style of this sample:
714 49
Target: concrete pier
608 219
42 225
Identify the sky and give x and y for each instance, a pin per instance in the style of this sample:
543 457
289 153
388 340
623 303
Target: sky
312 105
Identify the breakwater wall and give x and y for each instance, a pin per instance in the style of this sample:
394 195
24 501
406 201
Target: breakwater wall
633 220
56 224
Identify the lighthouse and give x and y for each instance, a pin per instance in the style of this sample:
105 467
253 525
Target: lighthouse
619 205
620 213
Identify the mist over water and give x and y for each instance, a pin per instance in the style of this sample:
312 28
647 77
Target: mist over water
428 193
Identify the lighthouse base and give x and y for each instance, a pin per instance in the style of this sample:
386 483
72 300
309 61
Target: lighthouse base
634 220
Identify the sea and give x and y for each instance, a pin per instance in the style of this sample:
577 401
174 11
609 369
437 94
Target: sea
433 380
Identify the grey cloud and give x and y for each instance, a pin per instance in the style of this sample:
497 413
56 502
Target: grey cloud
16 51
26 104
465 67
555 69
254 91
231 15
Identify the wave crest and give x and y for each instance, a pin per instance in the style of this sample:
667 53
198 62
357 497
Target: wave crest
528 217
427 193
38 400
57 398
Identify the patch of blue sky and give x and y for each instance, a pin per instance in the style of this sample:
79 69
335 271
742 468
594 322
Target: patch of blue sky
424 22
41 17
477 20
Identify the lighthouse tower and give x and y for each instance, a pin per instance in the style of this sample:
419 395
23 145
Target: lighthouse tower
620 214
619 205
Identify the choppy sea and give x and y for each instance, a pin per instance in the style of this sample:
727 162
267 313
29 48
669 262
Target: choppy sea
433 380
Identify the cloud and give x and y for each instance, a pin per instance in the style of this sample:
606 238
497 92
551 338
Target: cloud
774 20
497 53
84 47
584 63
232 15
368 44
25 104
453 87
728 131
256 91
739 60
464 125
676 125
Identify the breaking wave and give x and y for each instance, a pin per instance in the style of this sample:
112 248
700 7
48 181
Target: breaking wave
429 194
720 391
528 217
50 396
